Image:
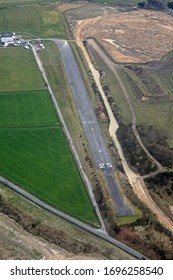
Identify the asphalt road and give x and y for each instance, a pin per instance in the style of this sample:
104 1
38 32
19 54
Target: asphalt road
98 232
90 124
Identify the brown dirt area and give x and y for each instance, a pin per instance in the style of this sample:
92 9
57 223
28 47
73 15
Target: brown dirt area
136 36
16 243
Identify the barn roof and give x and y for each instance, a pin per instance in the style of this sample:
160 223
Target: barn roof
6 39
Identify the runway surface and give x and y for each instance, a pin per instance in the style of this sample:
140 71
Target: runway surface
86 111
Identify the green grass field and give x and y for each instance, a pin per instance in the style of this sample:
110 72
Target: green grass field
24 2
37 20
158 114
19 70
35 154
32 108
34 151
39 160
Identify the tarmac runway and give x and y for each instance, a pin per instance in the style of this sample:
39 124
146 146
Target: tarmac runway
86 111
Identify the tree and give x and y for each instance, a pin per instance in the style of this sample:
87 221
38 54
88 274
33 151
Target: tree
170 5
141 5
158 4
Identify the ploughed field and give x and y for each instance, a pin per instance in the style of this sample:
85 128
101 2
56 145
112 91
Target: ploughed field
34 151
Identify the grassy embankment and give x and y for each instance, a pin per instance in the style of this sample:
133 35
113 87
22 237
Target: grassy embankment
155 113
34 151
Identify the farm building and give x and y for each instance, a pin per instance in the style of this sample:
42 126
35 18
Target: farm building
6 38
6 34
7 41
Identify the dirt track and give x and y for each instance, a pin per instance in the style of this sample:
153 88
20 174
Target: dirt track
135 180
136 36
31 242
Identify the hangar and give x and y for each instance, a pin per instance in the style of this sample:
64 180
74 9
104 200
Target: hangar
7 41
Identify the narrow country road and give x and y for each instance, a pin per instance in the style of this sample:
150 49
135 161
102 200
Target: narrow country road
98 232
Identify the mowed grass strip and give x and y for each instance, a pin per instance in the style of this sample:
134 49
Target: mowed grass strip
37 20
19 70
40 161
31 108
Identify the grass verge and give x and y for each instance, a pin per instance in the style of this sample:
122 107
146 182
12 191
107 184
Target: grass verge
130 219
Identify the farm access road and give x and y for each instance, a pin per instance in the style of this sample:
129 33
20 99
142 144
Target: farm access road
136 181
90 124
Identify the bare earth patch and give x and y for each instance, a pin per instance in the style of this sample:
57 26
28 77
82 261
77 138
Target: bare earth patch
136 36
171 208
16 243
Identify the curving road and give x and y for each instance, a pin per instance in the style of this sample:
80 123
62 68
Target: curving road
90 124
